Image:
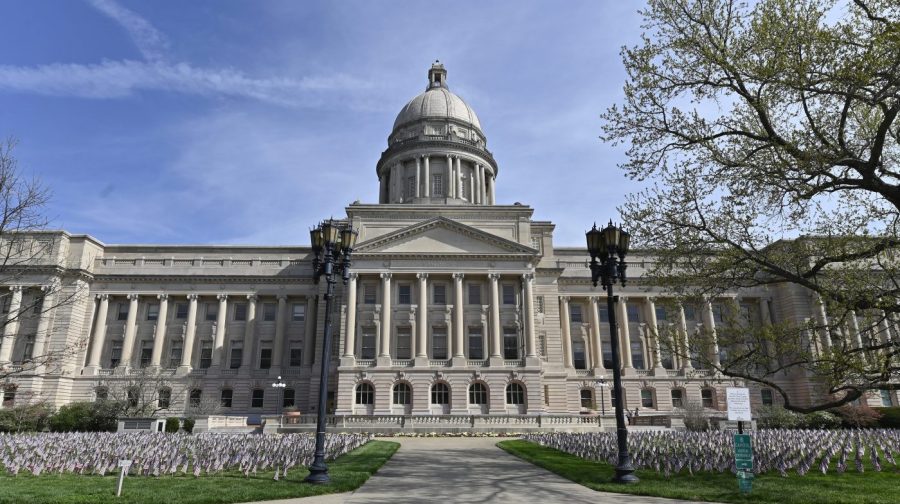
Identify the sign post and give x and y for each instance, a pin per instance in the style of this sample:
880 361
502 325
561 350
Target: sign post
125 465
739 410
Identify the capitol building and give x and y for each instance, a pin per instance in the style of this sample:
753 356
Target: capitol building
457 304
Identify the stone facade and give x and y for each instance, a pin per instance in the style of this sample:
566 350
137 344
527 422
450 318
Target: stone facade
456 305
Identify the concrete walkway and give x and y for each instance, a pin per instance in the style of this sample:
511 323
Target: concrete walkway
467 470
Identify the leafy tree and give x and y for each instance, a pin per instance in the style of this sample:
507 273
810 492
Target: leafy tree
99 416
766 132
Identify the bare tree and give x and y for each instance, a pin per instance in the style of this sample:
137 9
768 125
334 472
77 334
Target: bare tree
767 132
142 392
30 258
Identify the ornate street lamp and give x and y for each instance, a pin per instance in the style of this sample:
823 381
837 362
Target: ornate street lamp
332 244
609 246
279 385
601 384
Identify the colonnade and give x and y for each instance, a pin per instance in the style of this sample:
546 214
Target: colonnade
480 188
15 314
99 335
456 341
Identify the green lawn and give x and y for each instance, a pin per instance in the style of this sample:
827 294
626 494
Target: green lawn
815 488
347 473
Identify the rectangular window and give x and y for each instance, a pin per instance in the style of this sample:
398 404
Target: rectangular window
367 343
7 301
287 399
265 358
579 356
536 243
476 344
647 398
718 312
440 294
706 395
661 315
225 399
28 350
637 354
181 311
510 343
270 310
539 304
296 357
370 296
298 312
690 312
153 311
767 399
437 185
439 343
587 398
212 311
205 355
404 294
115 354
509 294
474 294
146 353
122 311
575 314
410 187
258 398
175 354
236 356
677 398
240 312
634 313
38 304
886 399
404 340
603 312
607 355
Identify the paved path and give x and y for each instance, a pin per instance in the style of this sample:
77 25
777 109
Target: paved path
467 470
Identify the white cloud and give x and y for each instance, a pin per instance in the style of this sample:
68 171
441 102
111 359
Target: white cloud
149 41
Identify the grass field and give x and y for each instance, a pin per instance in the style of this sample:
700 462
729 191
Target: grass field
815 488
347 472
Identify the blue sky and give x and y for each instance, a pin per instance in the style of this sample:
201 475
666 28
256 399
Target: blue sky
223 121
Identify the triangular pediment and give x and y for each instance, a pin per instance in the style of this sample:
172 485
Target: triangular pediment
442 236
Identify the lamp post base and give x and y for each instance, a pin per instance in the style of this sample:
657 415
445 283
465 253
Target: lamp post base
318 474
625 473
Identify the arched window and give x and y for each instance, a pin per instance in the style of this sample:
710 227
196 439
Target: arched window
227 396
194 398
365 394
478 393
257 398
287 398
515 394
402 394
164 397
440 393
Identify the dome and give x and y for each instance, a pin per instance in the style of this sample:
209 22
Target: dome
437 102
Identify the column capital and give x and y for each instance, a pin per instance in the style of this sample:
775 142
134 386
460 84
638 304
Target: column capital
422 276
16 288
353 276
252 298
193 297
459 276
102 297
281 297
494 276
162 296
132 297
46 288
528 277
385 276
564 299
222 297
594 300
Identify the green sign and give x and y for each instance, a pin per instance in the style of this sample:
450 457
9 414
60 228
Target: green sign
743 452
745 481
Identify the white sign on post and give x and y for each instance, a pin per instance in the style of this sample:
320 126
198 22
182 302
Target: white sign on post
738 399
125 465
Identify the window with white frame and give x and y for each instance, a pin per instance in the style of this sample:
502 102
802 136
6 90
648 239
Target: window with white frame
365 394
404 294
510 343
439 294
212 311
509 294
575 314
402 394
647 398
240 312
440 393
152 311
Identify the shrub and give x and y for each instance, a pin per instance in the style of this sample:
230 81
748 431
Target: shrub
776 417
188 425
890 417
97 416
29 418
695 418
172 424
858 416
820 420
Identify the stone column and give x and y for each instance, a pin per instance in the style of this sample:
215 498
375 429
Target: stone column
190 331
309 327
385 350
854 330
350 331
12 324
709 322
624 333
564 319
249 331
418 177
471 188
530 341
159 338
427 178
42 332
596 345
458 175
99 332
493 200
458 324
653 333
278 344
822 321
451 192
686 349
219 341
495 316
422 324
480 184
130 330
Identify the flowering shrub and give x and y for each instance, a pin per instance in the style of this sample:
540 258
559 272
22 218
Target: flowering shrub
157 454
782 450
